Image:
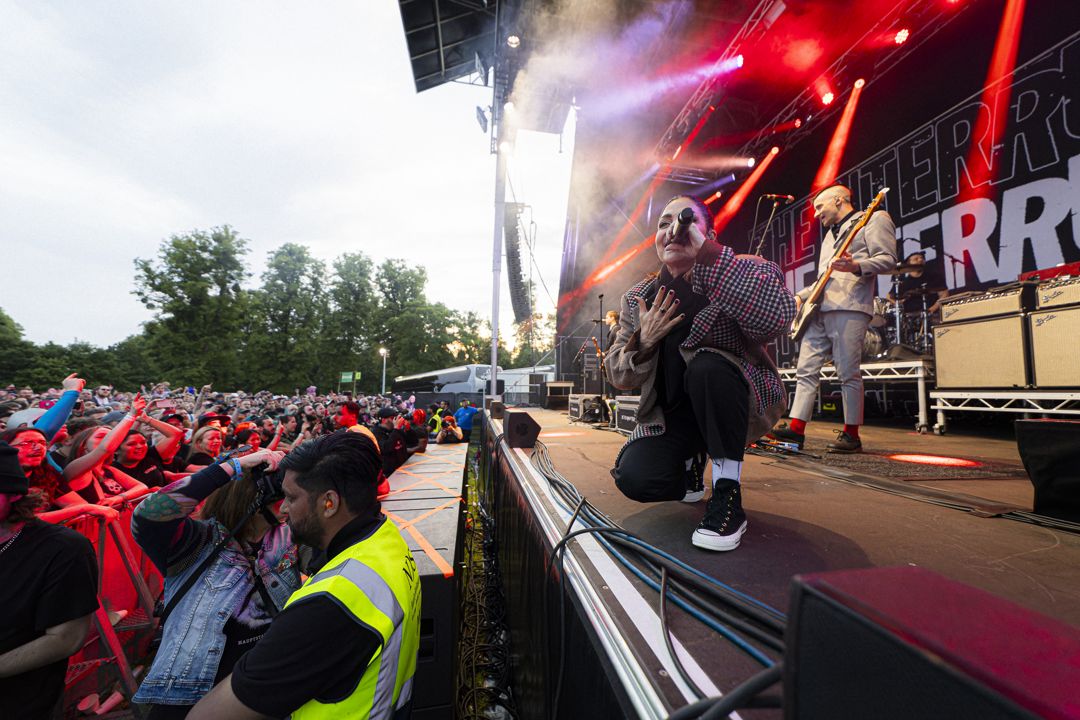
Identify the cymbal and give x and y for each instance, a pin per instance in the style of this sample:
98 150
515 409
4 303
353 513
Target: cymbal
908 267
918 292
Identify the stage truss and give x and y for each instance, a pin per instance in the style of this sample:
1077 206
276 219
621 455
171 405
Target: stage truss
1032 402
917 371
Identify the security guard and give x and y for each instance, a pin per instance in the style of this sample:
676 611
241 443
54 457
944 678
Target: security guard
345 645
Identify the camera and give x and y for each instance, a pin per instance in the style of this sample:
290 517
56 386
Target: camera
267 484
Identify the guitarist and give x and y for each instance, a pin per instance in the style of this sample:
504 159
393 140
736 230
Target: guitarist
837 330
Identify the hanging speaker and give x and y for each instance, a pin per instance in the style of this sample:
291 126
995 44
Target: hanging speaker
520 429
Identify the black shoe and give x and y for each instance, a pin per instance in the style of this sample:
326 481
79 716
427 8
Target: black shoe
845 444
695 479
725 522
786 434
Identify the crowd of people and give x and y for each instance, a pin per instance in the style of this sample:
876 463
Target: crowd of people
70 451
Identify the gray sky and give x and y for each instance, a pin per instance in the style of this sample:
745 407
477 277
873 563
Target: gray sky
123 123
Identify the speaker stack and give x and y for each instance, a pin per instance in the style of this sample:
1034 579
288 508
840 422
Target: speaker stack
1054 328
982 341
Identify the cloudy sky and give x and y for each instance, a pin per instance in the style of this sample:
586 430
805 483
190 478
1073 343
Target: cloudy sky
123 123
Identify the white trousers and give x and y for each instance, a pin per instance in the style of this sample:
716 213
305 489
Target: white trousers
838 334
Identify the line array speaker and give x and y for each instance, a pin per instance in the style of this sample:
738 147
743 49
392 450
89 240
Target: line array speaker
990 353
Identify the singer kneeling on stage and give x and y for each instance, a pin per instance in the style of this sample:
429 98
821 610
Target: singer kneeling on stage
691 337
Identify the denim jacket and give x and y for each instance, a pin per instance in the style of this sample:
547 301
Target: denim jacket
194 639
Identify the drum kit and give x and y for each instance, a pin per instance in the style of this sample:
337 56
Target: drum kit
895 332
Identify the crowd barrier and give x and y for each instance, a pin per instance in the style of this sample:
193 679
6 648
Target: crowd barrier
124 624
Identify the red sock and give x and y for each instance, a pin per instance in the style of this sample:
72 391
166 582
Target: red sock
797 425
852 431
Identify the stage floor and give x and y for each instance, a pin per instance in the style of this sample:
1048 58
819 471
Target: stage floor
807 515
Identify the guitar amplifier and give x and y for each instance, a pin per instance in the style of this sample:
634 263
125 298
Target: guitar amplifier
1054 358
1006 300
1064 291
626 413
988 353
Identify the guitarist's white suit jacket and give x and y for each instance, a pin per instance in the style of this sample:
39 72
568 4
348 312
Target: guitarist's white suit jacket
874 248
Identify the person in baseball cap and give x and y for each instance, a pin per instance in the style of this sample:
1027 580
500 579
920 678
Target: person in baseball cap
13 480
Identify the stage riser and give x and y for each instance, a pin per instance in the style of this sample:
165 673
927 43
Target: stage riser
524 554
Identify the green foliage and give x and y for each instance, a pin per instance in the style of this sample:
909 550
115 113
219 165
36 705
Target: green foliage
303 325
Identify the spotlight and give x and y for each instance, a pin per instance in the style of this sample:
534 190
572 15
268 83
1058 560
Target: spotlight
738 60
714 197
513 42
750 162
859 84
774 150
827 98
809 118
798 123
901 36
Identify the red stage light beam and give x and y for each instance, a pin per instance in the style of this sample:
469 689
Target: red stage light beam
736 201
990 126
830 165
714 197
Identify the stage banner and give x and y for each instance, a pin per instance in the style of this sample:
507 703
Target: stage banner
1025 213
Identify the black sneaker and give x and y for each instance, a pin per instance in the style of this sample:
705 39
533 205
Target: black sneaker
845 444
725 522
786 434
695 479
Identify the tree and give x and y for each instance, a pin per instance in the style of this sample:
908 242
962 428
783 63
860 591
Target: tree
194 287
348 343
16 354
283 342
534 338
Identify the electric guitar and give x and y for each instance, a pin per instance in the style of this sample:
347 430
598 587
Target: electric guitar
812 304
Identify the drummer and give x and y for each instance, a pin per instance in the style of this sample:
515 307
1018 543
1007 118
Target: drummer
922 277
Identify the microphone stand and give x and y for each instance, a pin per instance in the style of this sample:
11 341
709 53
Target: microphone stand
768 226
954 261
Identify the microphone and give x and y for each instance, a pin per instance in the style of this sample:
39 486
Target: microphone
680 232
788 199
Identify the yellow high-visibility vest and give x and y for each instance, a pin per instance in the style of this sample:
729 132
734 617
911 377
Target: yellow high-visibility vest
376 581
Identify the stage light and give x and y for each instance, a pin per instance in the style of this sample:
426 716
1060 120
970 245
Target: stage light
798 123
509 106
676 153
830 164
738 61
750 162
513 42
996 97
809 118
859 84
827 98
901 36
714 197
938 460
731 207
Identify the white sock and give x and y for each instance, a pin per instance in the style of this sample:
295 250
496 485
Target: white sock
725 469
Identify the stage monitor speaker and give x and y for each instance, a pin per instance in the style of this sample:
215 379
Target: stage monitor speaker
520 429
988 353
1055 349
1050 450
902 643
1006 300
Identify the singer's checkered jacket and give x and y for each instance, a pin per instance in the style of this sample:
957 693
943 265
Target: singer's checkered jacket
748 305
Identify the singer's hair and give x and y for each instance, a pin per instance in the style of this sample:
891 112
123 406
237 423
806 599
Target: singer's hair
843 192
699 206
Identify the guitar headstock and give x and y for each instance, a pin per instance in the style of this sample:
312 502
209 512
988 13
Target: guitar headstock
877 200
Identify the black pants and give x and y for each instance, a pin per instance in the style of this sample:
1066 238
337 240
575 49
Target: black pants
710 418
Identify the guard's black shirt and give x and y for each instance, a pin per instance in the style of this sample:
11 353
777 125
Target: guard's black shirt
313 649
